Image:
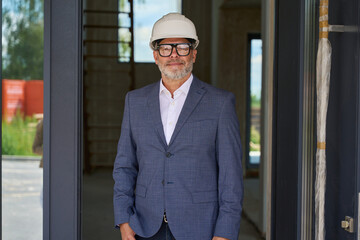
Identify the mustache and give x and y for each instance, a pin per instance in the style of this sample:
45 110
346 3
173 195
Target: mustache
175 61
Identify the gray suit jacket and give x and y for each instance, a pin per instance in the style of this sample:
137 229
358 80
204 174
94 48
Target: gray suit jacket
196 179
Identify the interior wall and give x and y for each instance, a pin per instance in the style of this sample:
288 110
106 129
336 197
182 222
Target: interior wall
106 81
234 25
105 84
200 13
105 92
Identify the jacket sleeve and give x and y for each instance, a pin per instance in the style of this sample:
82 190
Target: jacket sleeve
230 178
125 171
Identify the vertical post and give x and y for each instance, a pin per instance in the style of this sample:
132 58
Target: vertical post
357 164
62 118
308 122
288 120
268 37
46 126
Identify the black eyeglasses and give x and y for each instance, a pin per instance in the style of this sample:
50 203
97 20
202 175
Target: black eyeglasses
182 49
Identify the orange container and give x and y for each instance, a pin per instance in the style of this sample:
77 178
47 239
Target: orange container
34 97
13 98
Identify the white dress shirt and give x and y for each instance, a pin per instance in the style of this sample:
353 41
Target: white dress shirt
170 108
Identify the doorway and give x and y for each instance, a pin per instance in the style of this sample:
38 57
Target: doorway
63 71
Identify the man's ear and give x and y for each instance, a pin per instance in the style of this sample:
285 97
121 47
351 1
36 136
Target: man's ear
194 53
155 54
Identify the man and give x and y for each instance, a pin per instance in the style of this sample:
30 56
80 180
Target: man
178 171
37 146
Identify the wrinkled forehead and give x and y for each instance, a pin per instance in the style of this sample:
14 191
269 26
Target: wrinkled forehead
174 40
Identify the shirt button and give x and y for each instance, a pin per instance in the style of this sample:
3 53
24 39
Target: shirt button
168 154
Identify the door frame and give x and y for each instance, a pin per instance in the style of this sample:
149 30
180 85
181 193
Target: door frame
62 119
293 120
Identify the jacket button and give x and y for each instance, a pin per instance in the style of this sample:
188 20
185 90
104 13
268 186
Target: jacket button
168 154
163 182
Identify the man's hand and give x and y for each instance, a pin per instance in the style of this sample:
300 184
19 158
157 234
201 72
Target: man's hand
219 238
126 232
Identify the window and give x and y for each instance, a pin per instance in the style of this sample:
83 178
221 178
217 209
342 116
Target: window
254 100
22 113
146 13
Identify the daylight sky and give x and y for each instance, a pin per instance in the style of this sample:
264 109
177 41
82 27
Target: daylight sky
255 71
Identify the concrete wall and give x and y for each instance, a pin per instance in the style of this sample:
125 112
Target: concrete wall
106 81
105 86
235 23
200 13
105 89
222 27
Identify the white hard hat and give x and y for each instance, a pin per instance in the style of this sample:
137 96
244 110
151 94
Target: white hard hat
173 25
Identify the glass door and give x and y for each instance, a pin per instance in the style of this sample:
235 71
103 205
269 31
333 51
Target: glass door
22 114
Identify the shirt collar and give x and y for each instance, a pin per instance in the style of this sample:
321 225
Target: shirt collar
184 88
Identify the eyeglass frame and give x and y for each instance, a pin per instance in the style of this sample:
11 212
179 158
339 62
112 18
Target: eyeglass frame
174 45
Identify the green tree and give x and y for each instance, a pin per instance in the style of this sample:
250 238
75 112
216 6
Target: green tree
255 101
23 29
125 36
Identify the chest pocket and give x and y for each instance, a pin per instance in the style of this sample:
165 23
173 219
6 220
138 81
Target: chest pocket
201 132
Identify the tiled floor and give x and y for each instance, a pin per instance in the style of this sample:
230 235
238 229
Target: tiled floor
248 231
252 200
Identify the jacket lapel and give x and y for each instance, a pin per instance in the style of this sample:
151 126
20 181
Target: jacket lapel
196 92
154 109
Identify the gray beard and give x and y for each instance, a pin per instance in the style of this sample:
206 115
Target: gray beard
179 74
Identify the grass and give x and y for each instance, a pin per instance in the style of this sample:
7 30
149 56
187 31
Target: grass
18 136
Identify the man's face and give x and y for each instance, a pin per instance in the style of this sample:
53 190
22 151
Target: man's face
175 67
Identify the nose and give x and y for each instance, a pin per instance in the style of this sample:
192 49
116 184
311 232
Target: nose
174 53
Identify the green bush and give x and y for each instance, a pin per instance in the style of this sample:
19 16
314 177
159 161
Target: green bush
254 139
18 136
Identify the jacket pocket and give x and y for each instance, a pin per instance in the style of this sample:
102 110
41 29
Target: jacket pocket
140 190
203 197
203 132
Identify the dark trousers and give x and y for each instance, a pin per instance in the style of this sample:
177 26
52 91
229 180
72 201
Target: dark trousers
164 233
